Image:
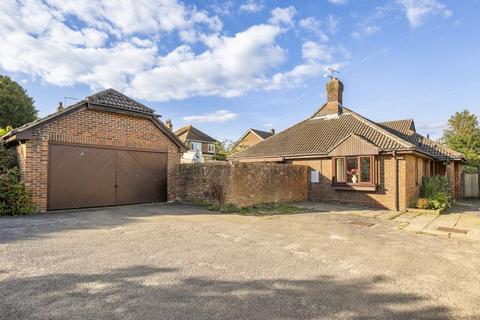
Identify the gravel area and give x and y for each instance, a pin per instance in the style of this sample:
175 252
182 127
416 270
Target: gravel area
176 261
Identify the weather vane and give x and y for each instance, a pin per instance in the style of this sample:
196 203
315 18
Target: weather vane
331 73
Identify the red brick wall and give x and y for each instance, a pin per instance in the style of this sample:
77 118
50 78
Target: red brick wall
88 126
242 184
384 196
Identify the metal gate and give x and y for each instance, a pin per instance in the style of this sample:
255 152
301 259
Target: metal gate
89 176
471 185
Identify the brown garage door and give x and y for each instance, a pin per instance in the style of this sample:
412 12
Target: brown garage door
81 177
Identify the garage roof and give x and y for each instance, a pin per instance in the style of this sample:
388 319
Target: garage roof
107 100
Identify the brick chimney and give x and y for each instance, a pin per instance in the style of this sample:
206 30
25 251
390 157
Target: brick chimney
60 106
334 98
169 124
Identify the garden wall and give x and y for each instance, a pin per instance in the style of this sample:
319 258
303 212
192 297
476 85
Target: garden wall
242 184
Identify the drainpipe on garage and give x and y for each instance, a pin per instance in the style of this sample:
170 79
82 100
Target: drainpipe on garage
397 189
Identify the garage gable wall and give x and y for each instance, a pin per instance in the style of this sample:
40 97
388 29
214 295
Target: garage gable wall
91 127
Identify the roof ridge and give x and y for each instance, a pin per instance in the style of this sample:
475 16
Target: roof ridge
104 93
382 130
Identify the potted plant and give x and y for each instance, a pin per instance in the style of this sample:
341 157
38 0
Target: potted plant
354 174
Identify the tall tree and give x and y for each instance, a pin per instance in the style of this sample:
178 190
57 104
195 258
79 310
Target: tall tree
16 107
463 135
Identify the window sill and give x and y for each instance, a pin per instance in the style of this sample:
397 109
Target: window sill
354 187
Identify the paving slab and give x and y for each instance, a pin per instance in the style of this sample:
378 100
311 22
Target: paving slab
406 216
419 223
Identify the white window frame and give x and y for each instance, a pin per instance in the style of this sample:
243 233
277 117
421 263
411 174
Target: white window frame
196 146
211 148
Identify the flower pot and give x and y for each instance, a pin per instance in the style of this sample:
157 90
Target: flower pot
354 179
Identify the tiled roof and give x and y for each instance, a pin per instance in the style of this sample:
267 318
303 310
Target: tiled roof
262 134
190 133
316 136
109 98
424 144
115 99
403 126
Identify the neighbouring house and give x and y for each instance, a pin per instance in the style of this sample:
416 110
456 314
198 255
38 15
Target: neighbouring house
107 149
252 137
356 160
201 146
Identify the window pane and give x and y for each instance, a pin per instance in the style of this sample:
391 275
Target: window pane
365 166
352 170
340 169
196 146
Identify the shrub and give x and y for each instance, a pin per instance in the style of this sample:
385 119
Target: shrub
14 198
8 159
423 203
437 190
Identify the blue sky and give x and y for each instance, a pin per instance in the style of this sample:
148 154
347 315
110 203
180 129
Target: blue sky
225 66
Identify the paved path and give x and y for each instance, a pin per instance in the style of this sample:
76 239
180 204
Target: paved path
182 262
460 222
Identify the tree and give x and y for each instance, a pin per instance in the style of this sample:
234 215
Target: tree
463 135
224 149
16 107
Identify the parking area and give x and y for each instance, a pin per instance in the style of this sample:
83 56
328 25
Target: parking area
177 261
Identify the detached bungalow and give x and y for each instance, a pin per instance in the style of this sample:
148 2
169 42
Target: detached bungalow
357 160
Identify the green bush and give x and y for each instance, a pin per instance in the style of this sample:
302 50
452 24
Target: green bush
437 190
8 159
14 198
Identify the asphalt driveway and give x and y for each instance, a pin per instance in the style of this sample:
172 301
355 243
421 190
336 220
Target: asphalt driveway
174 261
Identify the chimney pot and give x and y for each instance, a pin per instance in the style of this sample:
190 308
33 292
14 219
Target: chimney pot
60 106
169 124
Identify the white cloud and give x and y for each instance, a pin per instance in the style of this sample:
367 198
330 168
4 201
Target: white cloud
417 11
333 22
252 6
217 116
338 1
312 25
283 16
97 44
317 59
365 31
316 52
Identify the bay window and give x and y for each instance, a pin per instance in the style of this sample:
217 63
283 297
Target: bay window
354 170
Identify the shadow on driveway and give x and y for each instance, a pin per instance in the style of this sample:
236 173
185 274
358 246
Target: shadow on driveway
40 225
143 292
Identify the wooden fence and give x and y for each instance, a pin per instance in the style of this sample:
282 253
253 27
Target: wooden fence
471 185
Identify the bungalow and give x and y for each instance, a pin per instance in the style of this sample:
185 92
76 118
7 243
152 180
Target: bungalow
356 160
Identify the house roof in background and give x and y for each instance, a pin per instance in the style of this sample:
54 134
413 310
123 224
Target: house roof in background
316 136
262 134
190 133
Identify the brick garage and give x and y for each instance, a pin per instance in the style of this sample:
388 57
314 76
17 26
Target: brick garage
242 184
107 121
